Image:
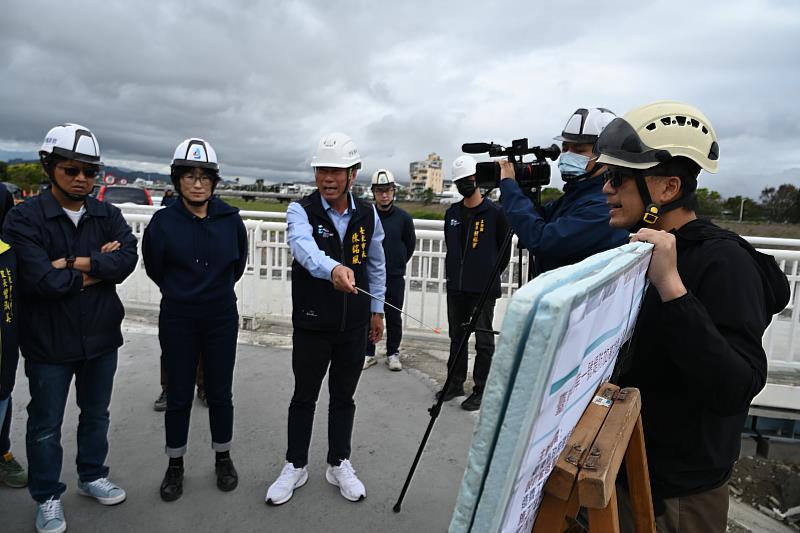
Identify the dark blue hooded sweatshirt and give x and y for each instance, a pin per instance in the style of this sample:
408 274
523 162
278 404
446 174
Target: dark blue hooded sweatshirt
196 261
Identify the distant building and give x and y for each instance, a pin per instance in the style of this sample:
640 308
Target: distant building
426 174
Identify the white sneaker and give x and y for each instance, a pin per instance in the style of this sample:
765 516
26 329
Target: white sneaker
394 362
50 517
369 360
291 478
344 477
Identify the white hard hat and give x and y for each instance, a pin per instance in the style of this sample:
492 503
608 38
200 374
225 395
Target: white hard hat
194 152
72 141
336 150
382 177
464 167
585 125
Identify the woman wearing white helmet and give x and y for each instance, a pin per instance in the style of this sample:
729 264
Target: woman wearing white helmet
196 250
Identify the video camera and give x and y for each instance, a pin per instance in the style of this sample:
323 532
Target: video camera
529 175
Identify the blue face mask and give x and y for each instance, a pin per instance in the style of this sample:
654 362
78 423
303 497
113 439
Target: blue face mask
571 164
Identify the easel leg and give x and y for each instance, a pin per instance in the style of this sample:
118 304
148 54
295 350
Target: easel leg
553 511
605 520
639 481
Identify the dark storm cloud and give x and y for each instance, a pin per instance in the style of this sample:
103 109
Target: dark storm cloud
263 80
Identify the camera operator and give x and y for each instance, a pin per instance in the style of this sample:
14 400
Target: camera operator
474 230
574 226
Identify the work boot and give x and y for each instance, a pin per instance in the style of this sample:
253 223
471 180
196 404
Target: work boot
369 360
452 391
50 517
291 478
11 472
473 403
227 478
344 477
161 403
172 486
394 362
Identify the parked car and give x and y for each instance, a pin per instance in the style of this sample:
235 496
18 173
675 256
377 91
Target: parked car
124 194
15 191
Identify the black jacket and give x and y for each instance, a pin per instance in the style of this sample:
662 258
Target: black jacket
399 242
196 261
316 305
59 320
698 359
473 238
9 349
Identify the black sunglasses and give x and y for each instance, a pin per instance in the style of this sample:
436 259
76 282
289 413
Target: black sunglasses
617 177
72 172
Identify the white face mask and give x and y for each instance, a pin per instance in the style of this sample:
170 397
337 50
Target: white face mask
571 164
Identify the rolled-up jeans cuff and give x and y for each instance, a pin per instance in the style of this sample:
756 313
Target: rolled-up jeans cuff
221 446
173 453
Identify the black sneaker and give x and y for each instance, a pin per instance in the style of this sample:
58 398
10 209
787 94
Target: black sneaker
473 403
452 391
201 395
227 478
161 403
172 486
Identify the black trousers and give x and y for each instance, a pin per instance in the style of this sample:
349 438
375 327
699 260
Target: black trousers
459 311
395 295
312 353
183 341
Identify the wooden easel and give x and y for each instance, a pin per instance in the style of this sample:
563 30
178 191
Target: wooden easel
586 471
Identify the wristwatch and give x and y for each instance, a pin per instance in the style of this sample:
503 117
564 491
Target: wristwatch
70 261
378 314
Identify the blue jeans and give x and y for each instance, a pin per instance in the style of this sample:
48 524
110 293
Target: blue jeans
49 386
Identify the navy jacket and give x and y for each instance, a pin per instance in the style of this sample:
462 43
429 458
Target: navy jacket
196 261
400 240
9 350
568 229
473 239
59 320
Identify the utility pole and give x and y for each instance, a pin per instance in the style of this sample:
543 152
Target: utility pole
741 209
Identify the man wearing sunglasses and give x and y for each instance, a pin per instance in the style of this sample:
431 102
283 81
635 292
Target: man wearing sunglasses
696 352
72 252
574 226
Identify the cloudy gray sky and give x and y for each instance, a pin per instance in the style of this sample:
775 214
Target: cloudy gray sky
262 81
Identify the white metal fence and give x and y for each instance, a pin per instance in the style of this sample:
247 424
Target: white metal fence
265 289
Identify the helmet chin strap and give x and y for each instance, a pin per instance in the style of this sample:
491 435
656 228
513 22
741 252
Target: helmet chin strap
652 211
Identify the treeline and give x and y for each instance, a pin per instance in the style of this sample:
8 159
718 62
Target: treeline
781 204
29 175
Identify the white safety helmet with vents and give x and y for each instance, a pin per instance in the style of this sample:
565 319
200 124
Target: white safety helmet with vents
336 150
463 167
585 125
194 152
680 129
382 177
71 141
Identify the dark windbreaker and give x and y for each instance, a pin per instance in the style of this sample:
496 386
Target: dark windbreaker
567 230
196 261
59 320
698 359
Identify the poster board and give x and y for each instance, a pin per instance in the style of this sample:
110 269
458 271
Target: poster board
559 341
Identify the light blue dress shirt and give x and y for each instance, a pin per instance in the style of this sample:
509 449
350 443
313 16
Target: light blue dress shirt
304 248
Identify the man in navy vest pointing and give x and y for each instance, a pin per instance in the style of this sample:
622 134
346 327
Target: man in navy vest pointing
336 242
